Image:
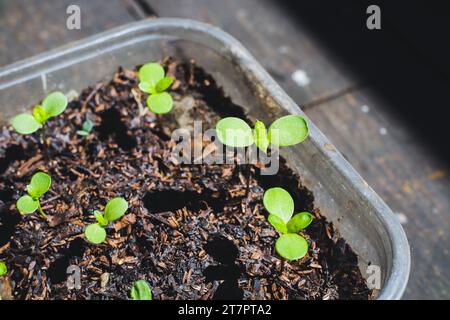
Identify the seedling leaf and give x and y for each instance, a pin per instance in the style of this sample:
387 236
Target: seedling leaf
25 123
27 204
260 136
299 222
291 246
279 202
234 132
88 125
115 208
288 131
55 103
164 84
82 133
102 221
141 291
151 73
3 269
95 233
39 185
39 114
160 103
278 223
146 87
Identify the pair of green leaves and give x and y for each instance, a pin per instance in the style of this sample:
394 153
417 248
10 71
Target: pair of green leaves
283 132
280 205
154 82
141 291
114 210
3 269
39 185
87 127
53 105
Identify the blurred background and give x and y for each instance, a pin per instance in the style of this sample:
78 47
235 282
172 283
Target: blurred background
381 95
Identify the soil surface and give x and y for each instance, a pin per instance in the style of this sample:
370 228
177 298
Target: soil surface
190 231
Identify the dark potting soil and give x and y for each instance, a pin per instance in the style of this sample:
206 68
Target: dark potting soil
190 230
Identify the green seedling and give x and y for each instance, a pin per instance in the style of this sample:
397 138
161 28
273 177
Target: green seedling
53 105
86 129
152 80
39 185
3 269
114 210
141 291
283 132
280 205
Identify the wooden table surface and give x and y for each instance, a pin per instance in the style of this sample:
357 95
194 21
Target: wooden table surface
378 144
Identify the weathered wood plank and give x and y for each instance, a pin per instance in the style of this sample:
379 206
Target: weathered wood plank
29 27
285 50
404 174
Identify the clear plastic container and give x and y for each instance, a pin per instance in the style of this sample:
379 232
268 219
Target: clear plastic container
361 217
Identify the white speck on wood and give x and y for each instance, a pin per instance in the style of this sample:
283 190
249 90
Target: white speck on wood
365 108
383 131
300 77
402 218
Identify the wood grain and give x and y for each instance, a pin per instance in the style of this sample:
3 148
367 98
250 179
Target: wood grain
29 27
275 41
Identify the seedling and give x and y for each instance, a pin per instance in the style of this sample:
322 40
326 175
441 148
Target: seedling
39 185
87 127
3 269
154 82
53 105
280 205
114 210
283 132
141 291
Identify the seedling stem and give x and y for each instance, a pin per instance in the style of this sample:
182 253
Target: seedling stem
41 211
